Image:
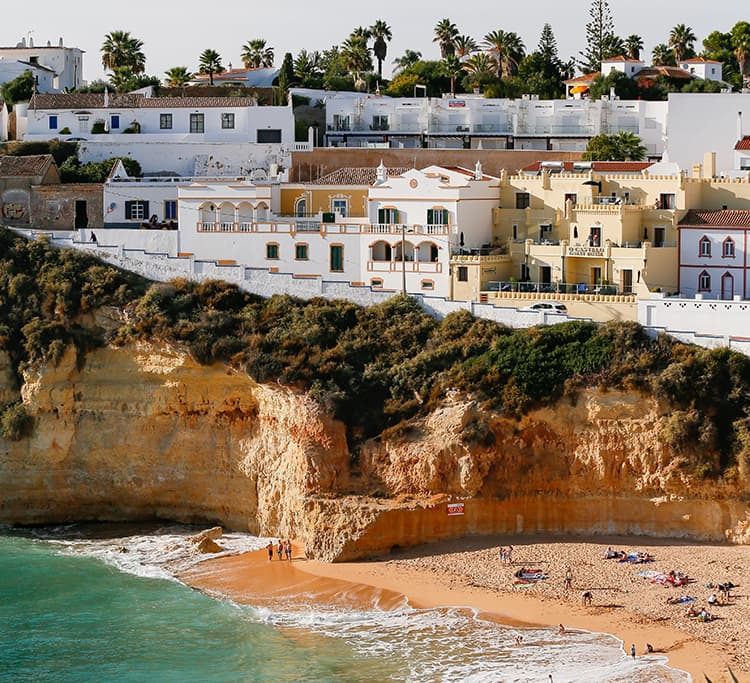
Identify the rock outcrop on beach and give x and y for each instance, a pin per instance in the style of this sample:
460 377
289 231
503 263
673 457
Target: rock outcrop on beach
143 431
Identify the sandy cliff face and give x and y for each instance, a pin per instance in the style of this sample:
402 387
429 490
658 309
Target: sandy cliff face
143 431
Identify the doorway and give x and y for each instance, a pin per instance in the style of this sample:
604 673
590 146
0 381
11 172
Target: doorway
81 219
626 281
727 286
658 237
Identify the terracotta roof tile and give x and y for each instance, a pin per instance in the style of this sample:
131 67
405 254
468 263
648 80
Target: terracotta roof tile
356 176
744 143
132 101
24 166
586 78
622 58
699 60
718 218
669 71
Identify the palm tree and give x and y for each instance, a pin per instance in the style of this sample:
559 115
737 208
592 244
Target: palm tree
464 46
506 49
120 49
740 35
479 64
681 40
210 63
452 67
445 33
661 55
381 33
356 55
634 45
410 58
307 67
256 54
178 76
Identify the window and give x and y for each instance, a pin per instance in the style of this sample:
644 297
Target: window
340 206
704 247
727 248
379 123
666 201
197 123
269 135
114 122
437 216
704 282
522 200
515 231
300 208
571 197
388 216
341 122
170 209
300 252
427 284
337 258
165 121
53 122
227 121
136 210
34 60
595 236
463 274
272 250
376 282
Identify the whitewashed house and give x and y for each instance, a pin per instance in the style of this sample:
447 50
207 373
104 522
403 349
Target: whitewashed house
713 254
700 67
66 63
416 221
45 78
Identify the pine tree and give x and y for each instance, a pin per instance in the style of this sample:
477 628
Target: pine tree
547 48
600 35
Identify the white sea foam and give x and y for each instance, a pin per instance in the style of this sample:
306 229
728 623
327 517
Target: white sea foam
444 644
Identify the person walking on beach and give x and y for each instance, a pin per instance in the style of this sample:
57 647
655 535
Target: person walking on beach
632 650
288 550
280 550
509 554
269 547
502 554
568 579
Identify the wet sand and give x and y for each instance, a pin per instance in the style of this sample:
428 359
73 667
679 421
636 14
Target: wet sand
467 572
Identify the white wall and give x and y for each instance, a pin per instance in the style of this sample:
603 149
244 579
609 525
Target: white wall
67 62
716 265
12 69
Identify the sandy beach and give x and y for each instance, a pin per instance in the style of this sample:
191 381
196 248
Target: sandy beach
468 572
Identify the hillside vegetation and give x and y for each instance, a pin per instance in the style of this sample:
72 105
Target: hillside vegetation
372 368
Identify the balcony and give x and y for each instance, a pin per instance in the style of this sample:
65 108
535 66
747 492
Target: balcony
569 288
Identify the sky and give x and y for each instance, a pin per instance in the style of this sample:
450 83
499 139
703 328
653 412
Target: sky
175 33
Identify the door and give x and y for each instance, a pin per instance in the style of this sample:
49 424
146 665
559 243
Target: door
545 275
626 283
658 237
595 236
81 217
596 275
727 286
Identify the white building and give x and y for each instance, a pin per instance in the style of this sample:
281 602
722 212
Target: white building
416 221
65 62
700 67
713 254
471 121
45 78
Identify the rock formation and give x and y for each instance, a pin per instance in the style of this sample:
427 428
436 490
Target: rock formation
143 431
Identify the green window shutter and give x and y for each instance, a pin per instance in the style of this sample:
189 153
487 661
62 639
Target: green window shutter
444 213
381 215
128 211
430 216
337 258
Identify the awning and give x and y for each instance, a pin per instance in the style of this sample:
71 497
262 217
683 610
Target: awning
578 89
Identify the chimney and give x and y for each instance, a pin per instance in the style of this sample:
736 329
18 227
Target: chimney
106 97
696 171
478 175
709 165
60 42
381 173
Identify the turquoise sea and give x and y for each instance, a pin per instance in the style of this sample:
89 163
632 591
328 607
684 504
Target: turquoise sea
83 603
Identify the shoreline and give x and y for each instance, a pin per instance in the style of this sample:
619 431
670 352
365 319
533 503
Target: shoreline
426 576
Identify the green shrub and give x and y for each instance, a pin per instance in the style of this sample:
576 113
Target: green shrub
15 422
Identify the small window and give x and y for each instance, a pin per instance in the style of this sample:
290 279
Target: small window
170 209
727 248
337 258
704 282
428 284
300 252
165 121
340 206
53 122
380 122
376 282
515 232
269 135
666 201
571 197
300 208
272 251
387 216
704 247
34 60
463 274
437 216
522 200
114 122
136 210
197 123
227 121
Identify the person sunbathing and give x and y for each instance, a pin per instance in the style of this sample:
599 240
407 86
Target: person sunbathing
692 611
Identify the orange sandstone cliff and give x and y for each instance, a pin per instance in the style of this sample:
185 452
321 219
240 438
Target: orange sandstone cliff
143 432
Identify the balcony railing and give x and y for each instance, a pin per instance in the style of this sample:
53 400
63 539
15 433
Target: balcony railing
554 288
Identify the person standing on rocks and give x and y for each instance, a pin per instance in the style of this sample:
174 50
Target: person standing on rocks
632 650
269 547
568 579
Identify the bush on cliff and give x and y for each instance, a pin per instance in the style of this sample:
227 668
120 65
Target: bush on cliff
15 422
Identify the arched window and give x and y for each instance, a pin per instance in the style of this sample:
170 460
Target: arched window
727 286
727 248
381 251
300 208
704 282
704 246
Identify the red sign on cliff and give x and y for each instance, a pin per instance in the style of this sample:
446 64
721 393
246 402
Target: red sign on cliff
455 509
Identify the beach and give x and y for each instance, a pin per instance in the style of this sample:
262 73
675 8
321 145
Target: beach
468 573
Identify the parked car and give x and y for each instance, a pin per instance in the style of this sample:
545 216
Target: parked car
547 307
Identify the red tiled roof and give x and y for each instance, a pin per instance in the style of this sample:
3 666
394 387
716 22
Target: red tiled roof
699 60
599 166
24 166
132 101
356 176
744 143
622 58
586 78
669 71
467 172
718 218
